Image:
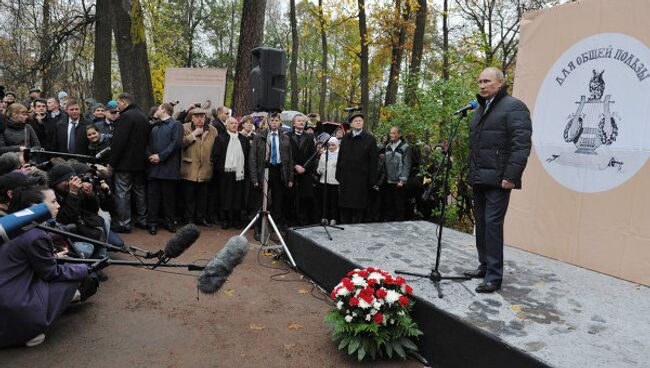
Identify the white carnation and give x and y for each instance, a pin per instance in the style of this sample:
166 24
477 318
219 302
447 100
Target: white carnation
376 305
354 314
392 296
400 313
359 281
376 275
339 305
392 321
348 319
342 292
368 317
363 304
403 289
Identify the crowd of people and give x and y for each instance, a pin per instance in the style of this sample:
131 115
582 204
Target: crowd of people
115 167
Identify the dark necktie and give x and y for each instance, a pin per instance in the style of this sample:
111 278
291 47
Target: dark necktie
71 138
274 150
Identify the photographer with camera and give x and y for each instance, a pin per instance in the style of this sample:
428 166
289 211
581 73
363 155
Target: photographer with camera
81 197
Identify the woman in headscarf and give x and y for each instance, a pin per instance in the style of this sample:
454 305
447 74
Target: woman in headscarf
229 158
327 170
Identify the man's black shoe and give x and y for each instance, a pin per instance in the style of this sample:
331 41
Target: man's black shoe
122 230
478 273
170 227
203 223
488 287
153 230
141 226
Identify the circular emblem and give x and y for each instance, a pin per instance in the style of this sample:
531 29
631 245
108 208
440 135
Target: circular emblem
590 121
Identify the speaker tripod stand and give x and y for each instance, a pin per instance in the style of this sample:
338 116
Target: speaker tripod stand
265 217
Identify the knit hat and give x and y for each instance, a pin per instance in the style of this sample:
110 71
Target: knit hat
60 173
80 168
111 104
97 106
14 180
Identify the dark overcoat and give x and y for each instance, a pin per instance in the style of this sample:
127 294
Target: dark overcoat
166 140
130 139
259 156
356 169
34 289
500 141
302 148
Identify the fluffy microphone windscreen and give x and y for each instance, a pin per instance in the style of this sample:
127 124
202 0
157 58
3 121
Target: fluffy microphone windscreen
184 237
216 272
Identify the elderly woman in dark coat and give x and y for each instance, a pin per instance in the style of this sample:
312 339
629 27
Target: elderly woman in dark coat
229 158
34 289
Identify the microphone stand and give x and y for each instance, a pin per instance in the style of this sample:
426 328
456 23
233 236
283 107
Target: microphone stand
324 204
62 154
189 266
435 275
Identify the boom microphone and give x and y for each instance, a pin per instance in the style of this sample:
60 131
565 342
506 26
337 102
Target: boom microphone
103 153
470 106
220 267
185 237
12 225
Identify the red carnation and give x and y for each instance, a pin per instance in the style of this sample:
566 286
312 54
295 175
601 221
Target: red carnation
378 318
363 273
409 290
371 269
351 273
381 293
372 282
403 301
354 302
367 298
400 280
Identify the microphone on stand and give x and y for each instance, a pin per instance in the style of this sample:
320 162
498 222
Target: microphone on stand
103 153
13 224
470 106
183 239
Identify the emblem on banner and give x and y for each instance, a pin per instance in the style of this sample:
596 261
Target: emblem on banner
578 129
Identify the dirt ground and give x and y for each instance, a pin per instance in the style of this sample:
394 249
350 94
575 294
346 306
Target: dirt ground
148 318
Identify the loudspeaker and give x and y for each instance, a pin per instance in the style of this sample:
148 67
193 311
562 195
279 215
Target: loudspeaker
268 79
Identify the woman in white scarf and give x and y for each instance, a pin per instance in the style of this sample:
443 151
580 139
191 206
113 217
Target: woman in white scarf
330 184
229 159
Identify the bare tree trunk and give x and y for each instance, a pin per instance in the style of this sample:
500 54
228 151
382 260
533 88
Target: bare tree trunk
128 28
398 49
364 75
45 36
445 40
102 58
416 52
293 67
230 72
251 35
323 68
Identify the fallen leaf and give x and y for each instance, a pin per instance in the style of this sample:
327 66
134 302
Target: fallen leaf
540 284
295 326
229 292
303 291
521 316
516 308
256 327
289 346
275 261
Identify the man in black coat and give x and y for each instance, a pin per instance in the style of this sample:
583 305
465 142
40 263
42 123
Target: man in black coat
500 143
302 149
271 148
128 162
356 170
70 136
214 206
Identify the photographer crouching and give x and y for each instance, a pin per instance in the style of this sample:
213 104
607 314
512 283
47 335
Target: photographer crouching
82 195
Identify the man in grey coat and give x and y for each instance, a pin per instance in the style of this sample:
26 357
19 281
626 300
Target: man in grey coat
500 143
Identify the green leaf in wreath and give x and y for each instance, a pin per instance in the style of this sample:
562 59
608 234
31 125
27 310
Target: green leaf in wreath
344 342
354 344
389 349
407 343
361 353
398 348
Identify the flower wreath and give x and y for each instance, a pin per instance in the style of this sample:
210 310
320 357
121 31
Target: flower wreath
371 316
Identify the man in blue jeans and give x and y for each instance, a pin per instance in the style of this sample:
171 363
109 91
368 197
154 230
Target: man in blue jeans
500 143
128 162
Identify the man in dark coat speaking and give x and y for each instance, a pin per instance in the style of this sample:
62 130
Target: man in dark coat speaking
500 143
356 170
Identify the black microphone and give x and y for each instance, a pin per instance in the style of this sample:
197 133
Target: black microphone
216 272
470 106
184 238
353 108
103 153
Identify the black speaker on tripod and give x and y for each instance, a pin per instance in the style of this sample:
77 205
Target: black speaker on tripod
268 79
